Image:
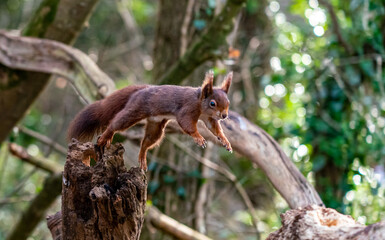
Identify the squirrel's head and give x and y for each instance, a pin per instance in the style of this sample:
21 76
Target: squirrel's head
215 102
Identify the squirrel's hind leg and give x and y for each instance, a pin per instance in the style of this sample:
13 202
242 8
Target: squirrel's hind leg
123 120
153 135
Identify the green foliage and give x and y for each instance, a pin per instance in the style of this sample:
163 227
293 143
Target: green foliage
339 116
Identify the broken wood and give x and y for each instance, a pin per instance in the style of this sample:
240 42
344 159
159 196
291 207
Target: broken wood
314 222
104 201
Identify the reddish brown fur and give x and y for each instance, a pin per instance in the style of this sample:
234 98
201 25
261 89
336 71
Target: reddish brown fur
128 106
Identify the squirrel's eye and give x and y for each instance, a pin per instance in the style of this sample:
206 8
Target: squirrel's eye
213 103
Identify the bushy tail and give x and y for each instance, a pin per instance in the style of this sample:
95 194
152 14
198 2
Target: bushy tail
95 118
87 123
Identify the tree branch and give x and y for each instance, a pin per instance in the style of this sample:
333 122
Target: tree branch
44 139
43 164
47 56
207 46
173 227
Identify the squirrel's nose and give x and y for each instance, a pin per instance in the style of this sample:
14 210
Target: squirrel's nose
224 115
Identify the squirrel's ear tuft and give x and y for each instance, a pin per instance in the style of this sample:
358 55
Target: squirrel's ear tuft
227 82
207 86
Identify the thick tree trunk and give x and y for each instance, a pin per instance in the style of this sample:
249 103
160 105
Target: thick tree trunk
210 45
104 201
168 35
313 222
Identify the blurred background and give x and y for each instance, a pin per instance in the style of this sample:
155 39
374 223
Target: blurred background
310 73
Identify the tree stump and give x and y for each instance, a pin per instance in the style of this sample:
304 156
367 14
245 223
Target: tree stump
314 222
104 201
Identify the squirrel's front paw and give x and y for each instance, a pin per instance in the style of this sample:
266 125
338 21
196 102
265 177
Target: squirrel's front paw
226 144
201 142
105 139
228 147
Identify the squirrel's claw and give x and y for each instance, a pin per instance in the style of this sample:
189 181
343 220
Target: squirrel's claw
201 142
226 144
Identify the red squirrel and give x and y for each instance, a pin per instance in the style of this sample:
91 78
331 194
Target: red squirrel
158 104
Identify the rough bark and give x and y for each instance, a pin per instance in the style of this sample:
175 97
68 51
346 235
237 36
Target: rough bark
313 223
59 20
104 201
210 45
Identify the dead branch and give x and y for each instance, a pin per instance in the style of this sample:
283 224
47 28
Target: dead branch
47 56
44 164
172 227
44 139
316 223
